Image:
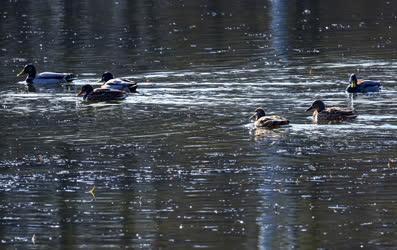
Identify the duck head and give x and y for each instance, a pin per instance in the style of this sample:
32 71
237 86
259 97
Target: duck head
353 80
259 112
29 70
85 90
317 105
352 83
106 77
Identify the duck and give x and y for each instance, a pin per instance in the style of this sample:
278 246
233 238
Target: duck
109 82
362 86
268 122
45 78
321 113
101 95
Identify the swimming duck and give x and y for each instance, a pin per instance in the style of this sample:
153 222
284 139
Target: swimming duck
269 122
45 78
109 82
101 95
362 86
321 113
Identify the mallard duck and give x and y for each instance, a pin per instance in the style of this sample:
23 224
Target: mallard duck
321 113
101 95
269 122
117 83
362 86
45 78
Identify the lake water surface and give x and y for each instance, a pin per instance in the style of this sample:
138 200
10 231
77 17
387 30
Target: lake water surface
178 165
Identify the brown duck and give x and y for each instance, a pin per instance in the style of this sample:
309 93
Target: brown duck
268 122
323 114
101 95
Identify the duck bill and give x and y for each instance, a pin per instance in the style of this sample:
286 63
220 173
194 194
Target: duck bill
307 110
81 93
21 73
252 117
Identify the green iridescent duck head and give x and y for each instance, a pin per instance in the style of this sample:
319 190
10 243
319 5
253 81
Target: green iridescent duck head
29 70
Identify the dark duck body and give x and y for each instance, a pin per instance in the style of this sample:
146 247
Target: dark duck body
362 86
45 78
323 114
101 95
268 122
109 82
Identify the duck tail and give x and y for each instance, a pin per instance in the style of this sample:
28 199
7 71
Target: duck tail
285 122
353 116
70 77
281 122
133 87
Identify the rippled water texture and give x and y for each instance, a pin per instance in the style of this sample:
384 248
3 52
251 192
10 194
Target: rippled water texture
178 165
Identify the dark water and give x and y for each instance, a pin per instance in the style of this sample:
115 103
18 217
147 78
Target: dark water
179 166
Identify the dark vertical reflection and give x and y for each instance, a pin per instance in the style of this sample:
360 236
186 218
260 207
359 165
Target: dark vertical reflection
67 216
130 228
